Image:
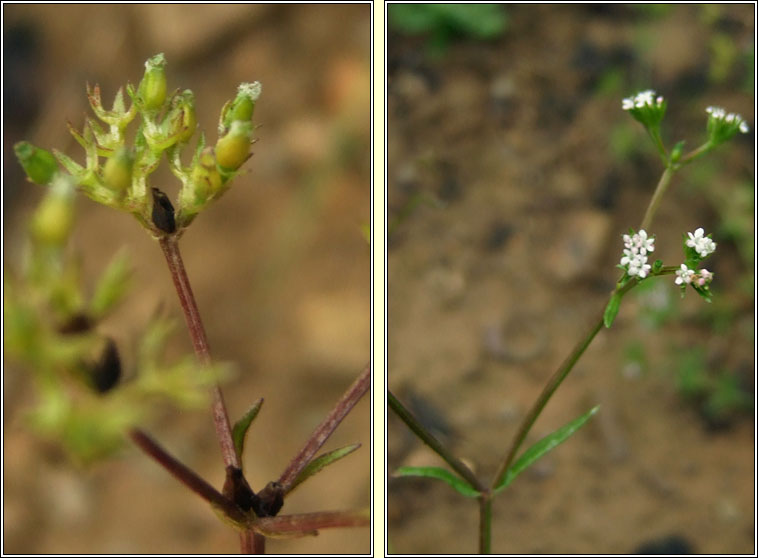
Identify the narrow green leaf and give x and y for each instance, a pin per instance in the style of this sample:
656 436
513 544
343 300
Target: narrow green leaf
112 285
543 446
441 474
240 427
612 309
322 461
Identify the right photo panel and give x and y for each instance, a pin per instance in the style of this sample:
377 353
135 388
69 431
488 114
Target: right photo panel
570 279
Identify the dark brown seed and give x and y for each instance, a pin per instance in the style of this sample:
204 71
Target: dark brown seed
269 500
107 372
237 489
78 323
163 212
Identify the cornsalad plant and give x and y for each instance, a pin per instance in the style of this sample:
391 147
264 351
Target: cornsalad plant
51 326
649 109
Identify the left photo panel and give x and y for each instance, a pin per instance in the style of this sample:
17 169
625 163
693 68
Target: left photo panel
187 279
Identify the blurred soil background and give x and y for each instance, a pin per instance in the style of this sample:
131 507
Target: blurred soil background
279 266
512 174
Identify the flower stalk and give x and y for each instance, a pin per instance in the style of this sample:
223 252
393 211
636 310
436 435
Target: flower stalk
170 246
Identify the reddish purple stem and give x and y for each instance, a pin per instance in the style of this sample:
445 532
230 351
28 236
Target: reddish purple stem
187 476
170 246
359 387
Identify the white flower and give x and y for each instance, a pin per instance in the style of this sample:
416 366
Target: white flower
683 275
701 243
639 267
719 113
645 243
636 249
642 99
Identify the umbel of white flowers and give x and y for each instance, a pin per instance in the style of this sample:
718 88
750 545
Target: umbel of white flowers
732 118
638 246
636 249
642 99
703 245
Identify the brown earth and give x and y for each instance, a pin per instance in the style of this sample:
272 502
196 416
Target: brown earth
512 173
279 266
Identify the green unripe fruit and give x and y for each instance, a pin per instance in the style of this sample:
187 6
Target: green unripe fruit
117 173
40 165
152 89
234 148
242 109
54 218
243 105
205 177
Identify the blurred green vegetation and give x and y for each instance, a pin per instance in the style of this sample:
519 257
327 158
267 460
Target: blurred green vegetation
716 394
653 11
446 22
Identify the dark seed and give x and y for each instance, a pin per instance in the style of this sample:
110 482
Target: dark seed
237 489
163 212
107 372
78 323
269 500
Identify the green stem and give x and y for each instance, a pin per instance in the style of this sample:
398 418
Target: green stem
485 523
655 201
557 378
655 133
695 153
547 392
437 446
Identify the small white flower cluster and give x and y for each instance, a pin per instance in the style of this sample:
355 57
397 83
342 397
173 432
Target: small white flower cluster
685 275
720 114
636 249
702 244
642 99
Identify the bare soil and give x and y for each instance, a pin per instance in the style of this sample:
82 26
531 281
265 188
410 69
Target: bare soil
508 192
279 266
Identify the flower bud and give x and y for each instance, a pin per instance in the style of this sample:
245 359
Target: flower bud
676 152
40 165
234 148
117 173
54 218
152 88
